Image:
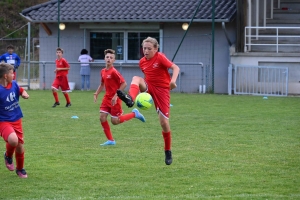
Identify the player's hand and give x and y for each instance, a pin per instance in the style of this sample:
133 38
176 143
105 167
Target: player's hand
173 85
114 100
25 95
95 97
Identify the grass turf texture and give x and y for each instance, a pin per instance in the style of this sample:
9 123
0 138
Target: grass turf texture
224 147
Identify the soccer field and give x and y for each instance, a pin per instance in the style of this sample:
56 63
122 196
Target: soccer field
224 147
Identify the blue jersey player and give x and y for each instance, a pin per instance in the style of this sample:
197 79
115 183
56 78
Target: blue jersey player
11 58
11 119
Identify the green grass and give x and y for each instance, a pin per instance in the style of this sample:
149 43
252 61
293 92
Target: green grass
224 147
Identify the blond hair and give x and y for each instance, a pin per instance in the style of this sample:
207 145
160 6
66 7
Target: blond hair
109 51
152 41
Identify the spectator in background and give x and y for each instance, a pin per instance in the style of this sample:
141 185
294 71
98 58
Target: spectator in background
11 58
85 69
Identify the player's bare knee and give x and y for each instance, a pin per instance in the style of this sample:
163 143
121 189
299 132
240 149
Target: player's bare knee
13 139
115 121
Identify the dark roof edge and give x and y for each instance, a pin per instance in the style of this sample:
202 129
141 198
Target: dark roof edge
130 20
27 10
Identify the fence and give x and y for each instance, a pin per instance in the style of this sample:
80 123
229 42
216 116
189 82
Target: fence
273 37
259 80
193 77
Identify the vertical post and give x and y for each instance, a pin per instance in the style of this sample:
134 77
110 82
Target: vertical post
249 24
28 54
229 86
84 38
161 38
257 18
213 46
265 13
272 8
58 21
44 76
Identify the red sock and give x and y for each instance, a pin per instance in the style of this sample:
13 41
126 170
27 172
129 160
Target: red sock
106 130
19 160
134 91
9 150
167 139
55 96
67 97
126 117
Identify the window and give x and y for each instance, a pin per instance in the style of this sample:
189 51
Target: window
126 44
101 41
135 39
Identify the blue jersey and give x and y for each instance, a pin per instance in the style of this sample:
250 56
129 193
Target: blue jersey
12 59
10 110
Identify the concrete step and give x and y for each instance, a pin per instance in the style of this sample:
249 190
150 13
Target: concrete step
289 1
280 32
284 41
287 14
290 5
277 22
273 49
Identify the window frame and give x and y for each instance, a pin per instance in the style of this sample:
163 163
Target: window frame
125 42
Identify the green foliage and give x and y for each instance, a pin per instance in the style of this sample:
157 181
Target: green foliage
224 147
12 20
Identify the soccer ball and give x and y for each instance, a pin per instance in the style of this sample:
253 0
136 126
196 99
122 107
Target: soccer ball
144 101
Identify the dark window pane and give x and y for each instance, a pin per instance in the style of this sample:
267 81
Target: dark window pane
135 40
101 41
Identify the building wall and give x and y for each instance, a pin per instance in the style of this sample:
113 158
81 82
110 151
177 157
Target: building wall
195 48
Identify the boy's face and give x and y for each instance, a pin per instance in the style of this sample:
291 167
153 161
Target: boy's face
9 76
59 54
10 50
109 58
149 50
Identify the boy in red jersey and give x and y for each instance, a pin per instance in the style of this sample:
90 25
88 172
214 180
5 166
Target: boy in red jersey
11 119
158 83
61 78
112 80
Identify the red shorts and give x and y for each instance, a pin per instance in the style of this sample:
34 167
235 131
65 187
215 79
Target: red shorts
114 111
6 128
62 82
161 98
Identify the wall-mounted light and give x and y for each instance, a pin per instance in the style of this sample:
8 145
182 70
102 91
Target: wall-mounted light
62 26
185 26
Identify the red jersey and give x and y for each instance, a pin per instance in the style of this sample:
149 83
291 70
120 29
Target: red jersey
112 80
156 70
62 63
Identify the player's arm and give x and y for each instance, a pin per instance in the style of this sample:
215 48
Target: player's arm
99 89
18 61
23 93
175 70
60 69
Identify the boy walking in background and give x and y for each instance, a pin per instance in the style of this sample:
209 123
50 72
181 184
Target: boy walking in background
11 119
11 58
112 80
61 78
158 83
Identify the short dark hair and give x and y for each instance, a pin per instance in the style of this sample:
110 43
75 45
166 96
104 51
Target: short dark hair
10 47
84 51
60 49
109 51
